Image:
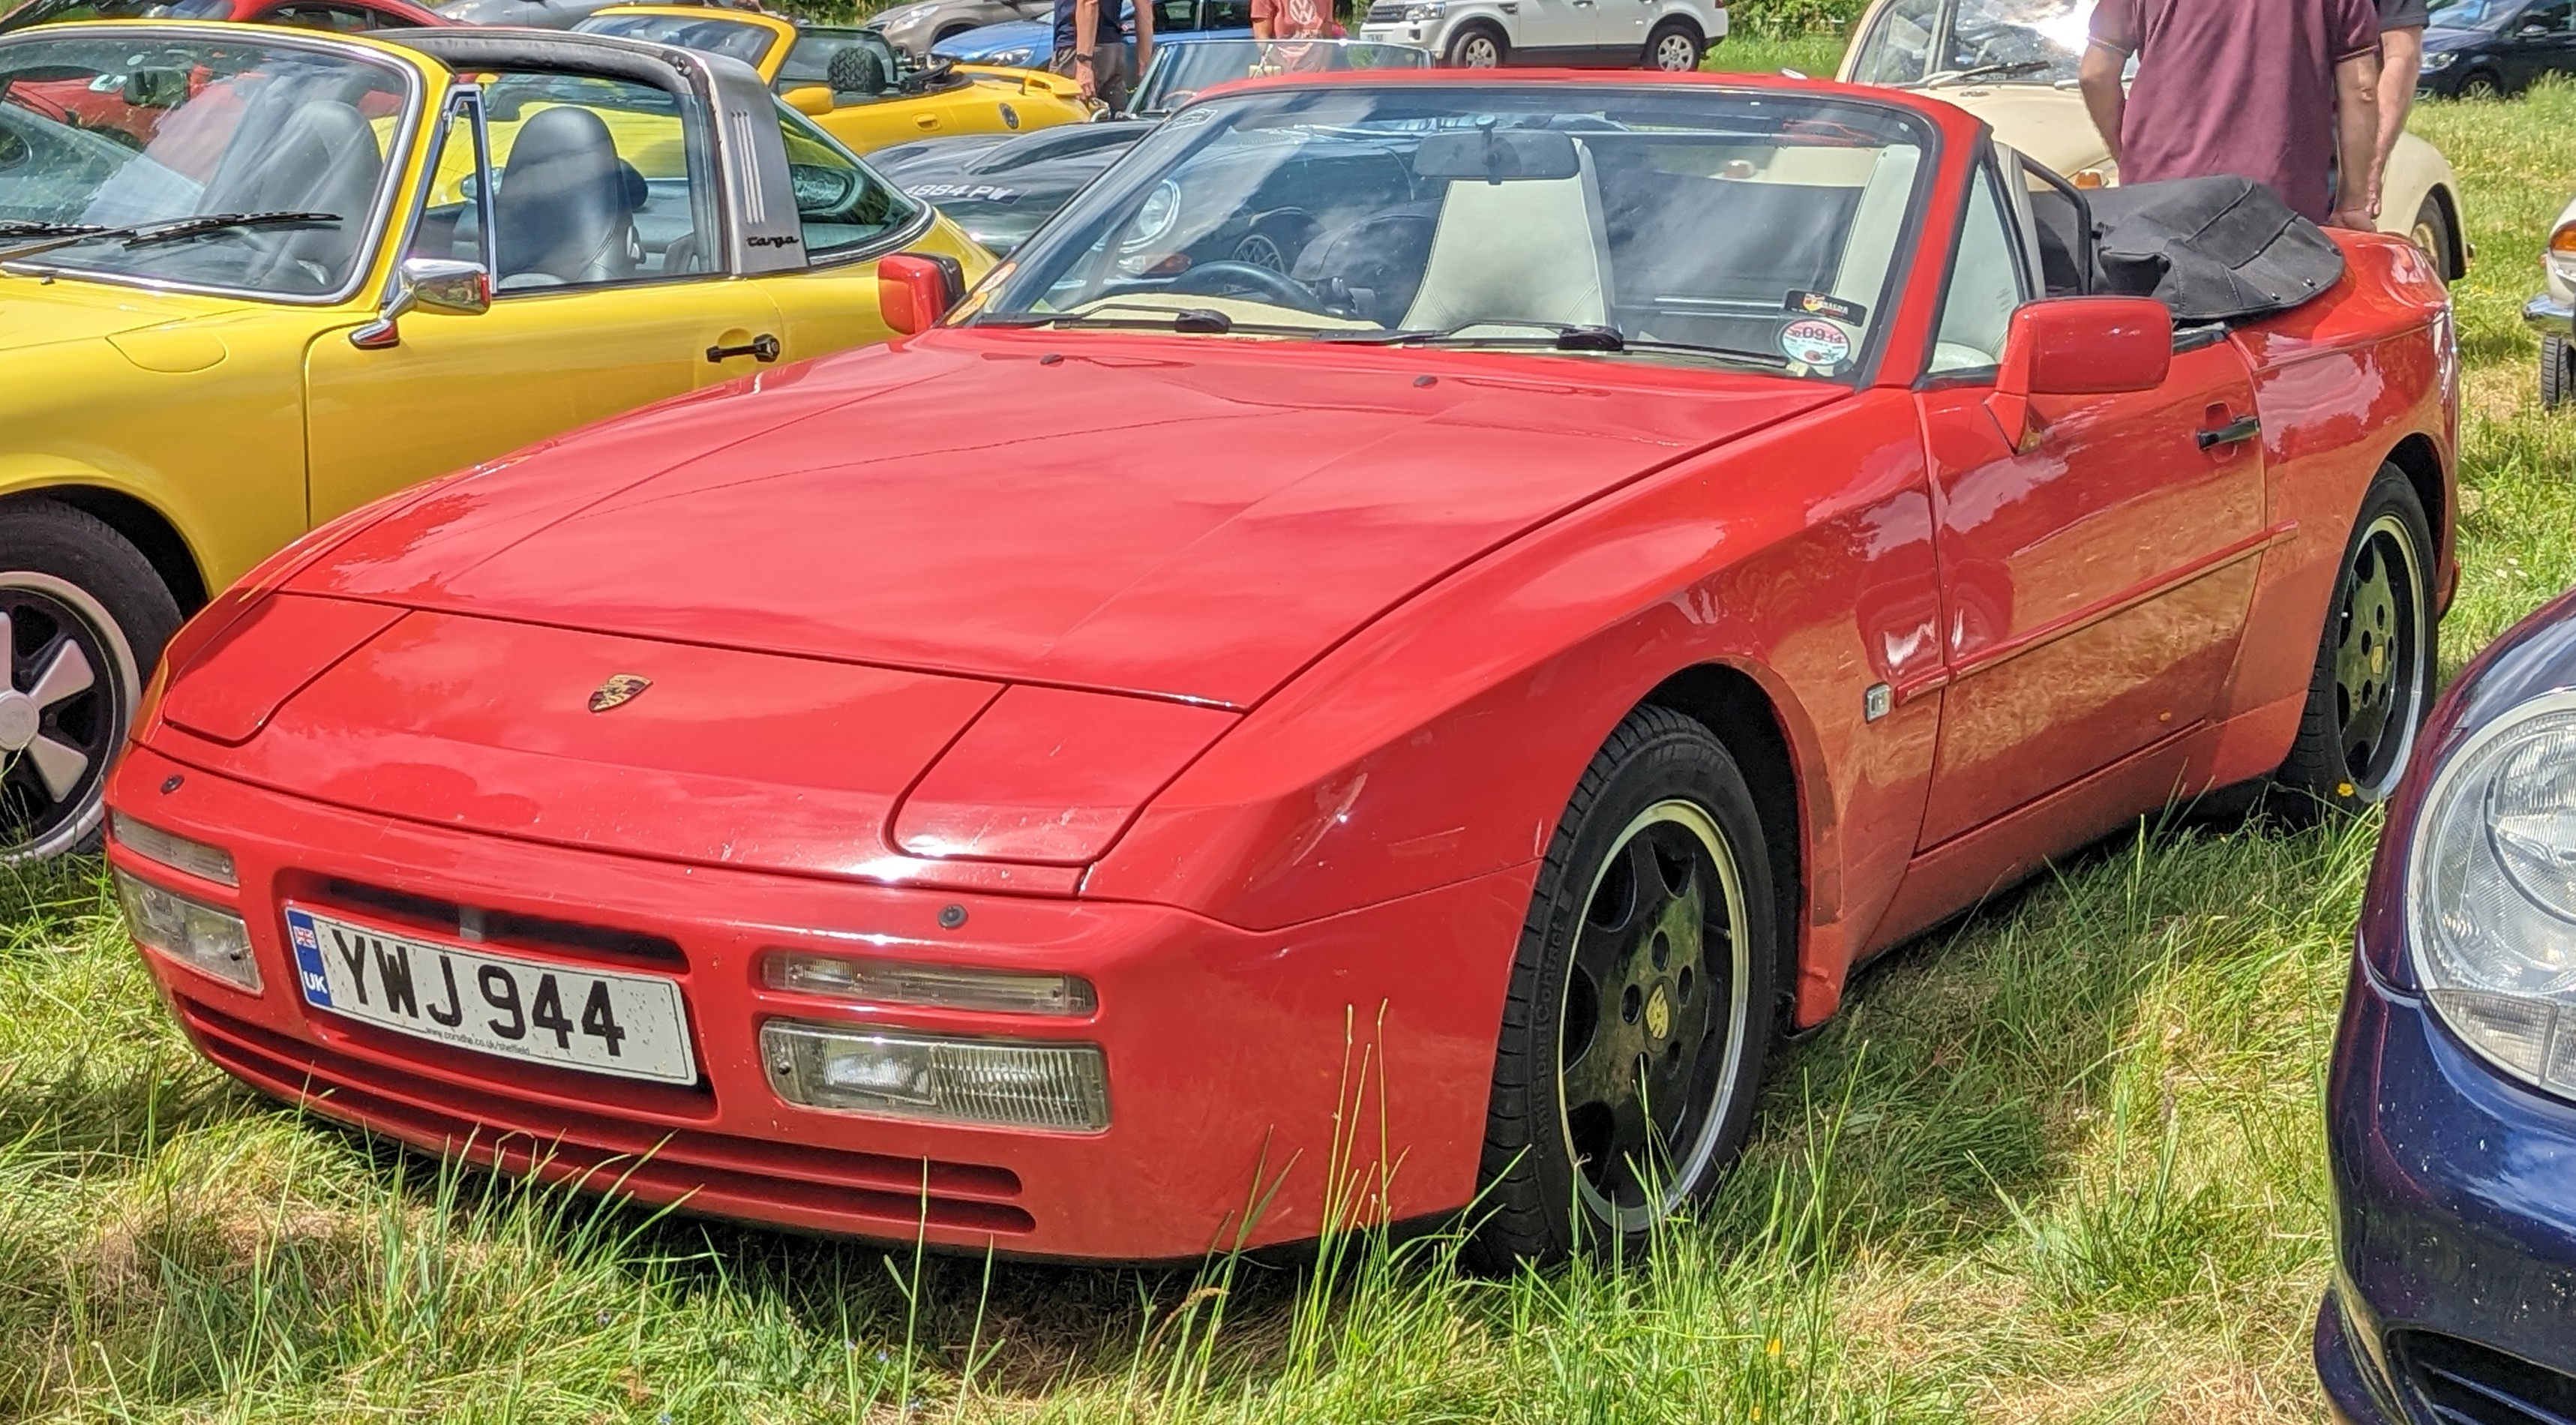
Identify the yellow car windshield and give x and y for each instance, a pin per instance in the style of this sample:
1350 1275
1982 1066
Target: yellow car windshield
228 164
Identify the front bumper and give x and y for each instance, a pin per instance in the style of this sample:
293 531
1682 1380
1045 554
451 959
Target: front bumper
2455 1217
2549 316
1232 1055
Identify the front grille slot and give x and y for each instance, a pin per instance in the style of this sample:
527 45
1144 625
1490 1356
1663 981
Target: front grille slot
2460 1383
650 1161
1385 10
445 919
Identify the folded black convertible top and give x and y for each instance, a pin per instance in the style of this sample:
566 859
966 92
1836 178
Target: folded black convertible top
2213 249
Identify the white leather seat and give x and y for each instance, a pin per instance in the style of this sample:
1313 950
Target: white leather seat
1524 250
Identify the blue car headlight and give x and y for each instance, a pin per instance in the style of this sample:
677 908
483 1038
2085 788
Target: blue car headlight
2439 60
1018 58
2491 892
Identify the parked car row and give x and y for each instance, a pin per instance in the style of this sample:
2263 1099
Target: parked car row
1552 573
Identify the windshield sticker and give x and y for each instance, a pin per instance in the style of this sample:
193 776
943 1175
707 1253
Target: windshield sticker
1819 304
1815 345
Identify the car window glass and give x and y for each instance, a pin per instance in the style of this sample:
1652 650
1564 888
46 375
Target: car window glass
2555 16
2058 229
341 19
1985 286
593 181
1703 224
843 205
121 130
1227 15
734 39
1898 47
855 64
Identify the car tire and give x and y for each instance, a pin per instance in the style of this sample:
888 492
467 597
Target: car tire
2432 232
2481 84
1616 972
2557 372
1477 46
1675 48
2376 661
86 618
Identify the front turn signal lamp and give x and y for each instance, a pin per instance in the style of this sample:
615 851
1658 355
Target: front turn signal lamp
930 986
2562 253
206 863
986 1083
2491 893
201 936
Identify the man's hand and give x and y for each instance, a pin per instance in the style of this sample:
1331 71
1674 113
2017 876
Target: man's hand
2362 220
2357 142
1082 76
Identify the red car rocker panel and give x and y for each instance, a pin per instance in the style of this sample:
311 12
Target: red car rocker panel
1179 729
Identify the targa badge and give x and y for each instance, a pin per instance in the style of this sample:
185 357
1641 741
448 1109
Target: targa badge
618 691
1814 342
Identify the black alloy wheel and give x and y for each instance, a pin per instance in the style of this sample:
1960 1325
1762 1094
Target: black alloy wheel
2481 84
2373 682
1641 1002
76 604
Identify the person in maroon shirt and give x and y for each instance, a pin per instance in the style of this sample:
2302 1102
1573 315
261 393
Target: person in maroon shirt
2279 91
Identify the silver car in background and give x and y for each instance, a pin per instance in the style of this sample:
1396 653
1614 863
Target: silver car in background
914 28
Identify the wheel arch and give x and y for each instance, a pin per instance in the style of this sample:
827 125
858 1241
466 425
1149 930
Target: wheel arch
1733 705
2455 263
2421 462
140 524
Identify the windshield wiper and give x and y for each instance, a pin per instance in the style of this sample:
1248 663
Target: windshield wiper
23 227
1196 321
1989 71
1561 336
163 230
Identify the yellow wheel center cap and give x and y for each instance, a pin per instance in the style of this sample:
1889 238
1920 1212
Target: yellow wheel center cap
1659 1014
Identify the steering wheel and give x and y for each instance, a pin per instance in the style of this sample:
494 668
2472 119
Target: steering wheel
1218 278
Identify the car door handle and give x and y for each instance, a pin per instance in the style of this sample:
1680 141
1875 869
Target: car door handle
763 347
2235 432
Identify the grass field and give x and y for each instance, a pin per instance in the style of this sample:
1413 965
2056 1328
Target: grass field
2063 1162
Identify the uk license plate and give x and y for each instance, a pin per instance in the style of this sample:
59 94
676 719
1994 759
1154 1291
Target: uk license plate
607 1022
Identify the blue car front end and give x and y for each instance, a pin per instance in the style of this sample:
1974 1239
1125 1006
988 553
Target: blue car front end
2451 1109
1012 44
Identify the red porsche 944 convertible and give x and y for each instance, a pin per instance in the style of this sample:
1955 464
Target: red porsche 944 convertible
1421 624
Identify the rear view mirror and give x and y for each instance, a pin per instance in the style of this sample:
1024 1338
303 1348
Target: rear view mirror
916 289
2079 346
812 100
155 88
1497 155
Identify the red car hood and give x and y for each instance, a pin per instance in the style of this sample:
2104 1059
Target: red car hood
1165 516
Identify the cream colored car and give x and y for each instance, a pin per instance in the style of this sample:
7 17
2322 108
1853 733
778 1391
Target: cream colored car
2012 63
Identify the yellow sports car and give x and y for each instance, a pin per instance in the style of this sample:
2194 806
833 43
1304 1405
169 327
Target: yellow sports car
851 81
251 278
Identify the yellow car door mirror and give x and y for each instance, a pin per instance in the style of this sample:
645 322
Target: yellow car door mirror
426 284
810 99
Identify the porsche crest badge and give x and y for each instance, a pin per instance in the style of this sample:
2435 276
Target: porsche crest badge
618 691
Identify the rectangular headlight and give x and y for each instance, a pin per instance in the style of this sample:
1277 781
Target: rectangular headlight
987 1082
207 937
938 986
212 863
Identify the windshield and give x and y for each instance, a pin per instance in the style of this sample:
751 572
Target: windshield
45 12
1183 67
731 38
2474 14
115 130
1758 227
1933 42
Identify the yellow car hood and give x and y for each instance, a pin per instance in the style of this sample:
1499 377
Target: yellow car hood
34 312
2047 123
